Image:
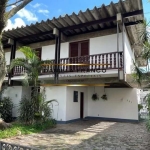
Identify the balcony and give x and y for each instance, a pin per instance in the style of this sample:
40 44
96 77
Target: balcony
107 61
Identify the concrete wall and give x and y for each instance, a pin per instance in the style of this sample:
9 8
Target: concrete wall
73 108
58 93
15 93
48 52
121 104
18 55
129 55
105 44
7 57
26 92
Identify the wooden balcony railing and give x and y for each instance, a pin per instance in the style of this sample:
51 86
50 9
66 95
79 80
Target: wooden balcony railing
107 61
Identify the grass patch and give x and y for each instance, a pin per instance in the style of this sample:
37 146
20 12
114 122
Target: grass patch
18 128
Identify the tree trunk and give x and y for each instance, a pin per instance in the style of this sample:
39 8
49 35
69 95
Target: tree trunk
3 69
4 125
4 16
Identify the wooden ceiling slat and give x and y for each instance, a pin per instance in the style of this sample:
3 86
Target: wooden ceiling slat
88 21
84 20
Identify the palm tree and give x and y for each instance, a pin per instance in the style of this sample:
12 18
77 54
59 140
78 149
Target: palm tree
141 75
32 65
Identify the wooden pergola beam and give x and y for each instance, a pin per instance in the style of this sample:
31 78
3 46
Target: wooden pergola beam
104 20
34 35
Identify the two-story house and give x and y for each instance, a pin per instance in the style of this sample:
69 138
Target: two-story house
107 36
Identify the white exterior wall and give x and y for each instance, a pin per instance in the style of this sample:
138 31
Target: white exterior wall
26 92
18 55
7 58
48 52
15 93
97 45
121 104
73 108
58 93
105 44
129 55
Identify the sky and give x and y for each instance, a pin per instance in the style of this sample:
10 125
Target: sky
39 10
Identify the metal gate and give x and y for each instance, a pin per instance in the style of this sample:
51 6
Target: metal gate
9 146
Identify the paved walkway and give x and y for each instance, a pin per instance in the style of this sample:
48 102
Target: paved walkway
89 135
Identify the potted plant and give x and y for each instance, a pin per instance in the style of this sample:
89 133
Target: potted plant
95 97
139 108
104 97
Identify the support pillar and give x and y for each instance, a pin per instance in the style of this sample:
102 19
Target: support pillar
12 56
57 34
120 57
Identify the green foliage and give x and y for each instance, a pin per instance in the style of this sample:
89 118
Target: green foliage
6 106
147 98
35 110
138 74
148 103
2 91
18 128
140 107
26 111
146 50
143 33
95 97
31 63
104 97
148 124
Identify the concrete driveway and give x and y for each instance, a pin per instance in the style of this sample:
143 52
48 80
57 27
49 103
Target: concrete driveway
89 135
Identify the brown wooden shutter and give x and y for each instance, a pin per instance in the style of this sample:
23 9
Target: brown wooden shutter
84 52
38 52
84 48
78 49
74 50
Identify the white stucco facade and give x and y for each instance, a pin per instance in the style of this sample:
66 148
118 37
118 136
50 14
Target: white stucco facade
129 55
15 94
97 45
74 107
18 55
122 102
59 94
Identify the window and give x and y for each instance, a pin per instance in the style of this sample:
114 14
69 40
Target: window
75 96
38 52
78 49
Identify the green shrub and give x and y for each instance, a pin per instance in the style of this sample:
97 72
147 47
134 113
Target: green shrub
140 107
6 107
26 111
19 128
35 110
148 124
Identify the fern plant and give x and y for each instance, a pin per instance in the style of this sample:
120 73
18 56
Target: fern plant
31 113
6 107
